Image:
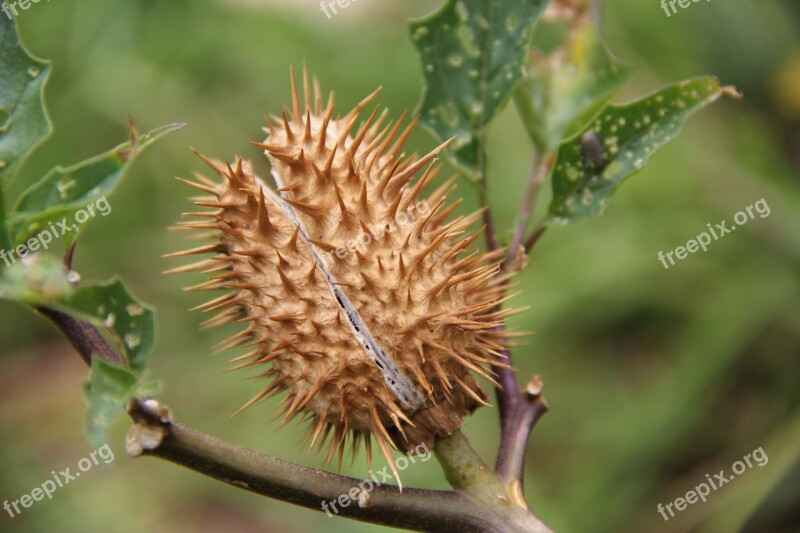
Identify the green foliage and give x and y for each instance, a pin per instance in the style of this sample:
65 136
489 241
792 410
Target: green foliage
628 134
564 90
64 191
24 123
472 55
40 279
624 327
110 306
107 390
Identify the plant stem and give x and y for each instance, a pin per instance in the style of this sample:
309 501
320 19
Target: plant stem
531 406
154 433
417 509
534 237
483 192
518 412
468 474
535 180
508 388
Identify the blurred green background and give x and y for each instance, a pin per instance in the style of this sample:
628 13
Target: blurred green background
654 377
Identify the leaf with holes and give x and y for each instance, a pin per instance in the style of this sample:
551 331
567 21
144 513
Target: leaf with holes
37 281
562 92
111 307
43 281
472 54
107 391
77 192
24 123
619 141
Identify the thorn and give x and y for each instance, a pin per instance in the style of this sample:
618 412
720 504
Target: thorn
323 132
307 131
289 133
295 98
362 104
209 248
306 88
401 141
200 265
205 188
361 134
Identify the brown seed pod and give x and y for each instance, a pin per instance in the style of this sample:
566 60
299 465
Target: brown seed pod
357 297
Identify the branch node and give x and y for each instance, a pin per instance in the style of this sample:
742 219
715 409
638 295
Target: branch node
153 422
534 387
517 495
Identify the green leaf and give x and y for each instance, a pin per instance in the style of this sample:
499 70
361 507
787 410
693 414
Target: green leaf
39 280
42 281
629 134
107 391
563 91
472 54
24 123
77 194
111 307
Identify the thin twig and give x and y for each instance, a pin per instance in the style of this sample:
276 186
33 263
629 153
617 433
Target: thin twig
534 237
423 510
535 180
511 456
483 192
508 389
517 413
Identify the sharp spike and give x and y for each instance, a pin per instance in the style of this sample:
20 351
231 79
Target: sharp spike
209 248
200 265
471 392
321 421
306 88
307 131
287 128
296 115
397 147
323 132
331 156
353 149
423 182
263 395
205 188
362 104
317 97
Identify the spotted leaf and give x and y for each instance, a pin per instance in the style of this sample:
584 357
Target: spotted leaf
585 177
472 55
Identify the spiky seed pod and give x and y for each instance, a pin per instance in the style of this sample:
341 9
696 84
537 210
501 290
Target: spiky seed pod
358 298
